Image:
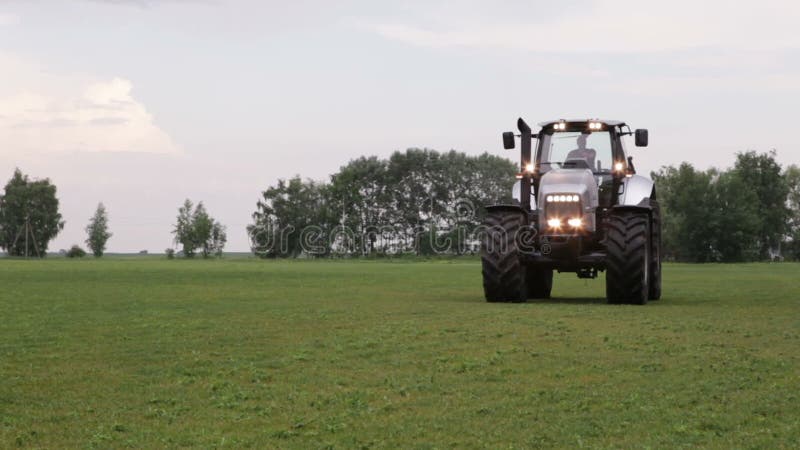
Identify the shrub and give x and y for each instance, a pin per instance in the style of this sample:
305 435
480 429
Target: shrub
170 253
75 252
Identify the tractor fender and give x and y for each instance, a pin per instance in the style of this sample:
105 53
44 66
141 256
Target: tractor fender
635 190
505 207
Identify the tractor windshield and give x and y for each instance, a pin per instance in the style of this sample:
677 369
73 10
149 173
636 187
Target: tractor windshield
576 150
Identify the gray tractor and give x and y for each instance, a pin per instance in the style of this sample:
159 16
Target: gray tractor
578 207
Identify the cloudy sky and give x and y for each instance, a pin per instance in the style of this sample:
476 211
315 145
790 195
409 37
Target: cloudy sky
143 103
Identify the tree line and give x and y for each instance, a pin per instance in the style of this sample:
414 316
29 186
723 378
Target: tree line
424 202
419 201
750 212
410 203
30 219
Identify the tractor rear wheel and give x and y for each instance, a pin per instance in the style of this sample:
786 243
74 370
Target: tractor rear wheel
628 259
655 253
540 282
503 272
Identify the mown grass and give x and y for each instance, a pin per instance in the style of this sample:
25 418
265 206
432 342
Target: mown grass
232 354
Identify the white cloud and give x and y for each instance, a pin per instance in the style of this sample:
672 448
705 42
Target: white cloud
74 116
616 26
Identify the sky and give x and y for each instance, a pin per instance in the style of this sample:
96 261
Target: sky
140 104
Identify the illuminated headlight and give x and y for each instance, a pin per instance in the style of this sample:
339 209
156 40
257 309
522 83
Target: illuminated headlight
529 167
595 125
619 166
560 126
575 223
562 198
554 223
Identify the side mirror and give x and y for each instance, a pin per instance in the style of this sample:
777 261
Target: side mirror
641 137
508 140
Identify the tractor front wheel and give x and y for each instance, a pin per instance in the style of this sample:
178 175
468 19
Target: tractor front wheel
628 261
503 272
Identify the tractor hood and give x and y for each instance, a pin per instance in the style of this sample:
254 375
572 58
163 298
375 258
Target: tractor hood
569 181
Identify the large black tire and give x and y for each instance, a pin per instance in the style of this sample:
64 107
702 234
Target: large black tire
655 253
540 282
503 272
628 260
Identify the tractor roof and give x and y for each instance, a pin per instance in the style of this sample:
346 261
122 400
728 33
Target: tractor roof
609 123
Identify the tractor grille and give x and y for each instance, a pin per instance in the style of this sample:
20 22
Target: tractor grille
563 210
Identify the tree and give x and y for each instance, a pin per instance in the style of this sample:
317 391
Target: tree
287 211
97 231
734 218
196 229
792 177
29 217
686 197
359 192
762 175
184 229
216 241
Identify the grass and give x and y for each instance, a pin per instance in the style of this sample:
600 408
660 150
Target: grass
245 353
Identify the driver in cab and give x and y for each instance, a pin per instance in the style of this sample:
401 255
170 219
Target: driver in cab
582 153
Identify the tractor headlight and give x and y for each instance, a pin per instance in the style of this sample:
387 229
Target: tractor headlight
575 223
563 198
554 223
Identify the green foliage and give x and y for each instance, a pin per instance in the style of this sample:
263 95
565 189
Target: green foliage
184 229
97 231
350 354
792 245
737 215
75 252
374 206
196 229
763 176
29 217
170 252
283 211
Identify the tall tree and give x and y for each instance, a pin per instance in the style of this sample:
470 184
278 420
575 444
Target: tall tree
29 216
763 176
196 229
284 213
792 177
184 229
97 231
734 218
359 192
687 199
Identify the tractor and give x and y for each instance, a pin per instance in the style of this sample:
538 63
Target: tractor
578 206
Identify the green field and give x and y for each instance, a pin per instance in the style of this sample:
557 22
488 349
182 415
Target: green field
266 354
